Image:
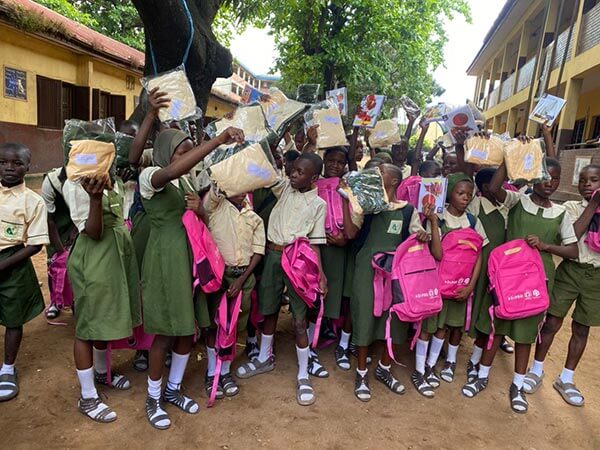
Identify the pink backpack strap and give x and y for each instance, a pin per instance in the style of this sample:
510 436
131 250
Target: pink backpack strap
418 326
382 287
388 338
469 312
492 334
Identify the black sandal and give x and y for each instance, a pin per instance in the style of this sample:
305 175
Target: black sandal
474 387
183 402
87 405
315 368
518 400
118 381
153 406
362 391
208 384
431 377
228 385
421 385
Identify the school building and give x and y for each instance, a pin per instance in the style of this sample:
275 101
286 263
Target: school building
55 69
538 46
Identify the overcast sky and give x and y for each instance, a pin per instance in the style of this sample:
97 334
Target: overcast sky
256 50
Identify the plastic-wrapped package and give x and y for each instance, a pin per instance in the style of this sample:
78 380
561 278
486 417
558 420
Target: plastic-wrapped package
177 86
485 152
526 161
409 106
280 111
248 167
385 134
75 130
331 129
365 191
249 118
123 144
308 93
89 158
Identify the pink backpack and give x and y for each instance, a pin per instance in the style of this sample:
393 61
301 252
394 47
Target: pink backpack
301 264
62 293
518 283
334 221
593 234
209 265
139 340
382 264
409 190
226 319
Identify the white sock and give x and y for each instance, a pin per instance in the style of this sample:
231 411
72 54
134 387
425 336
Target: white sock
362 373
225 367
311 332
86 380
266 347
452 351
302 354
252 340
100 361
476 355
484 371
345 340
434 351
421 355
7 369
538 367
178 364
384 367
212 361
567 375
518 380
154 388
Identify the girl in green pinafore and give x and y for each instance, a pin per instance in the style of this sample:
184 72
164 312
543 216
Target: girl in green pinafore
105 280
383 233
170 311
546 227
451 319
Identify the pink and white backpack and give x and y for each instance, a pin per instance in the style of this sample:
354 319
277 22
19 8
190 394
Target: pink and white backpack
139 340
328 191
408 190
61 293
593 234
226 319
208 266
301 264
518 283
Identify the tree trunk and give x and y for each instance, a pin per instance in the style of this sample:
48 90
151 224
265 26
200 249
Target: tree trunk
167 28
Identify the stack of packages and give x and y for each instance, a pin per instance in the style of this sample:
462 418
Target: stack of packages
385 134
525 161
331 129
365 192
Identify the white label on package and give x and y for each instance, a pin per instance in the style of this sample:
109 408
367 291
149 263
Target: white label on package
86 159
481 154
528 163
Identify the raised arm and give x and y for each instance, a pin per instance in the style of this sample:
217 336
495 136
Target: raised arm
156 101
94 225
496 184
419 148
581 225
409 127
463 166
549 141
352 165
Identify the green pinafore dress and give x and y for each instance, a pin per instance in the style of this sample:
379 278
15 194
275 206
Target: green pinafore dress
105 277
520 224
170 308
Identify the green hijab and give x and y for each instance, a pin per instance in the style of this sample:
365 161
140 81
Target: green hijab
453 180
165 145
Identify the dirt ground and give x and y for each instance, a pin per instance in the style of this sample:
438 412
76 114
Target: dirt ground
265 413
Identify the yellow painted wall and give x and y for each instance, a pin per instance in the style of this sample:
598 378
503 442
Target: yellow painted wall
217 108
588 108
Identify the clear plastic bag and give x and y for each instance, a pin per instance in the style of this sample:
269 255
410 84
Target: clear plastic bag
308 93
385 134
526 161
90 158
243 169
409 106
485 152
76 130
177 86
331 128
280 111
123 144
365 191
249 118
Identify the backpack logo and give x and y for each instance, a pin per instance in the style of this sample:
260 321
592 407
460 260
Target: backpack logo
12 231
395 227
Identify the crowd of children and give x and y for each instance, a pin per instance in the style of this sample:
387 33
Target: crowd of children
124 280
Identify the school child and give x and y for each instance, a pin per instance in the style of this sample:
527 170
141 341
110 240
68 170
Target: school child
240 236
23 232
382 232
289 157
62 231
449 164
576 281
546 227
452 319
299 213
169 308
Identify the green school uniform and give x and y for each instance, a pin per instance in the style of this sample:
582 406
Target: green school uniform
263 201
170 308
333 260
215 299
105 278
577 283
388 230
140 232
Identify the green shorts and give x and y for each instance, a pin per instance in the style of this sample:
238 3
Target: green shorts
20 296
579 283
215 299
453 315
271 288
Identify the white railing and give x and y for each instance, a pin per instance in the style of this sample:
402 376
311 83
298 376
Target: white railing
590 30
526 75
507 88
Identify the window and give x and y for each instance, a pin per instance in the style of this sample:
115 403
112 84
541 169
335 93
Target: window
106 105
578 130
58 101
596 130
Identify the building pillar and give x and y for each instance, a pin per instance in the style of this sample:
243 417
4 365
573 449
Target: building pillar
577 29
497 123
85 74
569 112
511 122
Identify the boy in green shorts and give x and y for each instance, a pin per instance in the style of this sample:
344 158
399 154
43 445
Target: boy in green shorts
299 212
23 232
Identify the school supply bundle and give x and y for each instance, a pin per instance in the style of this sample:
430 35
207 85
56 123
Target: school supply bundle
340 98
518 283
385 134
432 191
365 191
593 233
89 158
308 93
547 109
247 168
369 110
328 191
410 106
331 129
139 340
460 120
435 113
177 86
280 111
76 130
301 265
61 292
208 265
123 145
226 319
249 118
409 189
460 248
486 152
525 161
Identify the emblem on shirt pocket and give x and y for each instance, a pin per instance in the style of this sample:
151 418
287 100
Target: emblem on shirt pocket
11 231
395 227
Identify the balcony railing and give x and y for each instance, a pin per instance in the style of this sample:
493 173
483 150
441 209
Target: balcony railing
506 91
525 75
561 43
493 101
590 30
